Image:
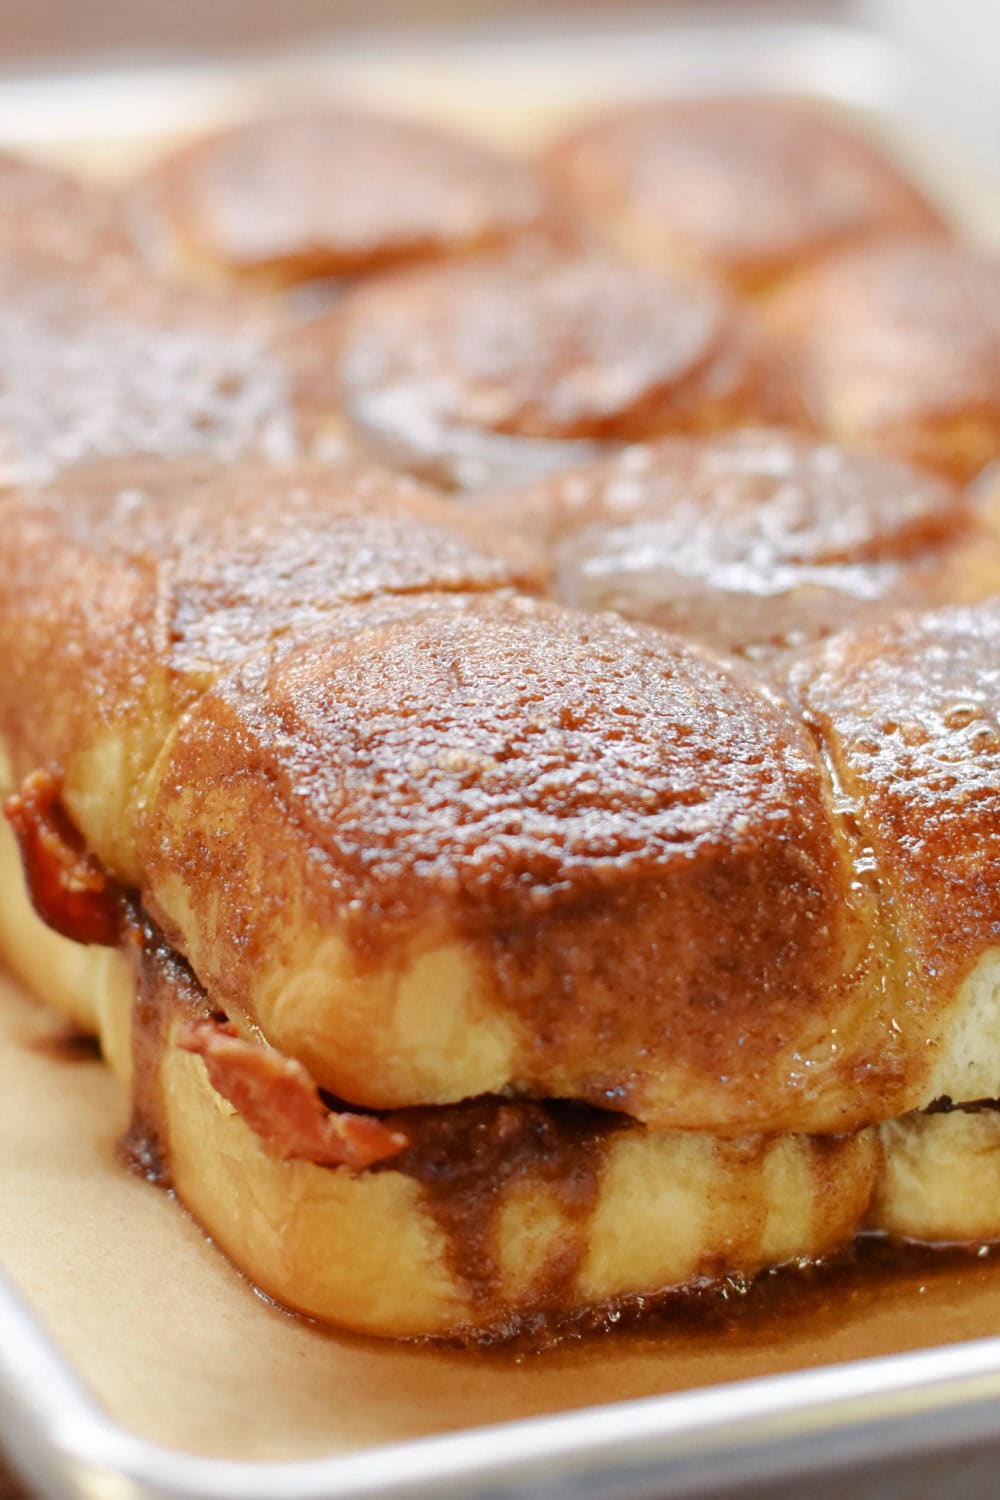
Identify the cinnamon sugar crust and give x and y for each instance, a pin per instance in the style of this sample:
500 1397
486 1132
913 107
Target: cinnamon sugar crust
102 362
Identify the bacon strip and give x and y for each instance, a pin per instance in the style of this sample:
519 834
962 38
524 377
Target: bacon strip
278 1098
68 887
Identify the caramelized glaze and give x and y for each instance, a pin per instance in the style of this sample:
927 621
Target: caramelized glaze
755 542
572 799
336 192
563 349
801 1302
468 1157
104 363
164 990
909 715
126 588
749 187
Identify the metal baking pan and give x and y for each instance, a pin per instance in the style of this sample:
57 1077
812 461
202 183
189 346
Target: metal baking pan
912 1427
920 1425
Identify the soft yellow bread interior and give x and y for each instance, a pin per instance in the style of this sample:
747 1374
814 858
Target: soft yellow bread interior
940 1182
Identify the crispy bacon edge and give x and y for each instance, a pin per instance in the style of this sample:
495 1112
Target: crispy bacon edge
279 1099
69 889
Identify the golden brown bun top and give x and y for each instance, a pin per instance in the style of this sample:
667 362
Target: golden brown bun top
102 362
337 192
234 556
898 348
628 849
753 541
46 211
125 591
747 187
910 717
565 348
548 756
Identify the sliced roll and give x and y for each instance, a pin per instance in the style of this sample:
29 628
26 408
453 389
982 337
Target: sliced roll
484 1219
908 718
508 847
495 1218
125 591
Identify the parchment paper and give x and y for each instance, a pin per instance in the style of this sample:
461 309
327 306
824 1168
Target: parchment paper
181 1350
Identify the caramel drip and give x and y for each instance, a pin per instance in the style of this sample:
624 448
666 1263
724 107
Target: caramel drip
468 1157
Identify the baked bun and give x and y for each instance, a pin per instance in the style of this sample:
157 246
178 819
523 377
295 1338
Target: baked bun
477 963
897 350
431 859
907 714
333 192
502 1217
126 590
506 366
99 361
748 189
756 542
459 844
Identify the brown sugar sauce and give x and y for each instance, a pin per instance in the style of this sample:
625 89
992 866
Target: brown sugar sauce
877 1297
788 1306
